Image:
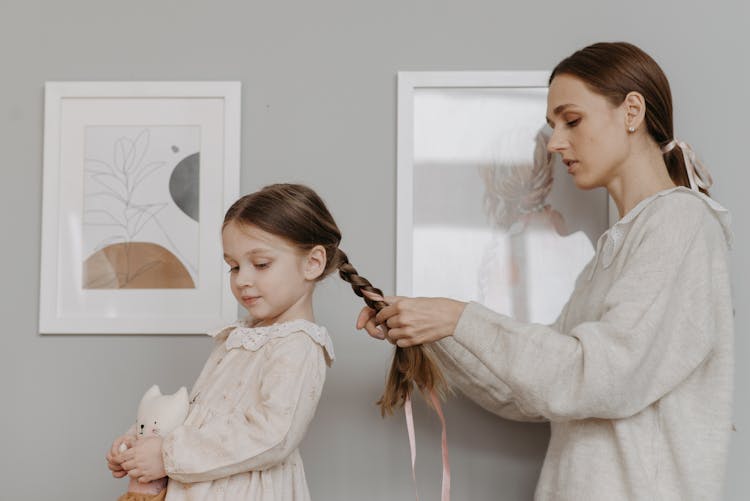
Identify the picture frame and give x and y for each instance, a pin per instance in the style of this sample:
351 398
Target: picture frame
137 177
458 133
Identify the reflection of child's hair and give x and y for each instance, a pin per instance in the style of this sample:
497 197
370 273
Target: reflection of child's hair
296 213
520 187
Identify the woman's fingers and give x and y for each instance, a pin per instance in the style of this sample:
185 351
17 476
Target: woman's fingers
398 337
376 331
365 316
372 296
366 320
389 311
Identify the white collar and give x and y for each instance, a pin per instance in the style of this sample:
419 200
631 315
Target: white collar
241 335
610 242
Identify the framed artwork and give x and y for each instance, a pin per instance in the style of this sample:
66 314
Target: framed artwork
484 212
137 177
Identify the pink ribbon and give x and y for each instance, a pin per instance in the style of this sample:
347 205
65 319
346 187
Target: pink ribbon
409 414
697 173
412 442
446 485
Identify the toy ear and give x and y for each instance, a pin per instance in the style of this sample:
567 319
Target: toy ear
182 397
152 392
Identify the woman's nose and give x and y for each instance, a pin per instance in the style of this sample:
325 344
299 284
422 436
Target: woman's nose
555 143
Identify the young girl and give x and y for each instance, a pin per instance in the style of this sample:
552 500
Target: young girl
258 391
635 376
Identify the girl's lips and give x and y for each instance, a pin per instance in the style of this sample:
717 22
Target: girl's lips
250 300
571 165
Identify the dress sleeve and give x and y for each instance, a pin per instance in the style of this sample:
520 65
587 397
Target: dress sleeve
261 435
658 325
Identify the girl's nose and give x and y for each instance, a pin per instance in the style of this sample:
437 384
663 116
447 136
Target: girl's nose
244 277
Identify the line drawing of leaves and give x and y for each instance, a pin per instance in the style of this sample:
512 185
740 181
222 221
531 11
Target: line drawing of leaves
176 249
106 194
143 214
109 183
146 171
140 147
123 152
101 217
120 180
93 169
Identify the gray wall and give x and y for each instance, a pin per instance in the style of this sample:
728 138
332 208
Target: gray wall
319 106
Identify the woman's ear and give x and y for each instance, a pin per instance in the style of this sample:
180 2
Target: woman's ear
315 263
635 111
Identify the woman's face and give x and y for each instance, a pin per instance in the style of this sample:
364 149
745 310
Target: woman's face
589 133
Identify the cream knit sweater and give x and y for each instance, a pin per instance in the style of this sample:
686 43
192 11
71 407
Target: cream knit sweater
635 376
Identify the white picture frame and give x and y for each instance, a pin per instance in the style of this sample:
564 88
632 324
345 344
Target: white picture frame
137 177
447 123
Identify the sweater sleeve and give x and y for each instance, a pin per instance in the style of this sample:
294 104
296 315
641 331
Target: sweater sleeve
468 374
657 327
259 436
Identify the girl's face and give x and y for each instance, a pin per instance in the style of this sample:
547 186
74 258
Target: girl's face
589 133
269 276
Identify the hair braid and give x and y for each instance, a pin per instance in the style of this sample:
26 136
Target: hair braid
410 365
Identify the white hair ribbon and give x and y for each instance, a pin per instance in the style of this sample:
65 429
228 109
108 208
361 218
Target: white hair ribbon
697 172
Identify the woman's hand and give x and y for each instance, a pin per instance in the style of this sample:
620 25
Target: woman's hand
143 461
412 321
114 452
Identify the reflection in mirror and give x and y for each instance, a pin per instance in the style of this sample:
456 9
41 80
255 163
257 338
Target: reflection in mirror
496 219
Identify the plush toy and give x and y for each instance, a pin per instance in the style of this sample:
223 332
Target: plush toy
157 415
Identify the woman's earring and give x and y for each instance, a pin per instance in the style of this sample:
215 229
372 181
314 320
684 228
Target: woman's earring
631 129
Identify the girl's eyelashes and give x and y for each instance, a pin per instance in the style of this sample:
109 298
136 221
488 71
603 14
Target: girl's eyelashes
573 123
257 266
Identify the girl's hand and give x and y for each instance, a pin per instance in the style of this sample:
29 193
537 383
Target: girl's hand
112 456
143 461
412 321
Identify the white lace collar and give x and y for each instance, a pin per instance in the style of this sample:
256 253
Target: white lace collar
240 335
610 242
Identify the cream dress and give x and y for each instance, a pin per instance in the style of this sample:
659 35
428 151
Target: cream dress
249 411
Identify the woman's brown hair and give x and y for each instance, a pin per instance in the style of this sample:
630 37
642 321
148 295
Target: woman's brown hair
614 69
296 213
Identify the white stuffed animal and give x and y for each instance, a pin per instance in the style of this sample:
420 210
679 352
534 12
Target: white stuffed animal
157 416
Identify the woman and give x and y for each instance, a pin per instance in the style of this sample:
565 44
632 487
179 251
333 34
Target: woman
635 376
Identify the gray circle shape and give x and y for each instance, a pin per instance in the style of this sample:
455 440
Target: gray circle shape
184 185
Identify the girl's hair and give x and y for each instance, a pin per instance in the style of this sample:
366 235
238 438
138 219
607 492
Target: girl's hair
614 69
297 214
